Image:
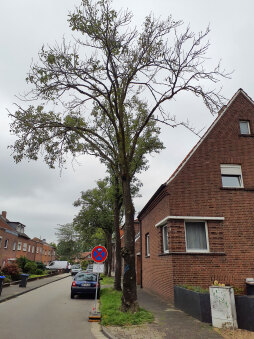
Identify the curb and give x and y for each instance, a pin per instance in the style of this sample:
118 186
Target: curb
107 334
31 289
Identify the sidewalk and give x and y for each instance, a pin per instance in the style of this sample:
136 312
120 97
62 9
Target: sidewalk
170 323
14 291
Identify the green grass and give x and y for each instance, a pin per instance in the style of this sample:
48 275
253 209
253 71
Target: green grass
110 303
36 275
107 280
195 288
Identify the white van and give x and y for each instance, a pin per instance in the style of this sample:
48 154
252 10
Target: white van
57 265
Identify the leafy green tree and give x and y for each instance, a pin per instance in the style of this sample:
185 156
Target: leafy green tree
97 213
69 244
111 87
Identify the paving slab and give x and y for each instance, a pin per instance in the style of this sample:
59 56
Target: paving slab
170 323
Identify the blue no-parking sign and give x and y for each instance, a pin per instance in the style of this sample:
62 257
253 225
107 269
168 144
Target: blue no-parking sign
99 254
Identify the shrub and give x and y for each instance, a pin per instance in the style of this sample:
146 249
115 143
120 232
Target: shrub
40 265
22 261
39 271
197 289
30 267
12 270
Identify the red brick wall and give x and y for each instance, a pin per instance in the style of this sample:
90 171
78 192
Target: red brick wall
197 191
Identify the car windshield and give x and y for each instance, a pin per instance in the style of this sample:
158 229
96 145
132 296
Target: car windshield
86 277
75 266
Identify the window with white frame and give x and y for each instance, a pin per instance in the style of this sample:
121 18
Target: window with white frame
1 241
33 249
196 236
231 175
37 250
29 248
165 239
19 246
49 252
41 250
6 243
24 247
244 127
147 239
14 246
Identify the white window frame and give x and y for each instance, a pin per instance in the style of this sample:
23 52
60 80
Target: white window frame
29 248
24 247
147 243
14 246
6 243
48 252
248 124
207 239
19 246
1 241
37 249
232 170
163 239
41 250
32 249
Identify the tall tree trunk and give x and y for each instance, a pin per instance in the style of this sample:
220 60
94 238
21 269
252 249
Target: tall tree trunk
109 249
129 298
117 207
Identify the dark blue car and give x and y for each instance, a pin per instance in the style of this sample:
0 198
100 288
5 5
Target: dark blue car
84 283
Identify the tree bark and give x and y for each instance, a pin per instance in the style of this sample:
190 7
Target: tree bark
129 298
109 249
118 267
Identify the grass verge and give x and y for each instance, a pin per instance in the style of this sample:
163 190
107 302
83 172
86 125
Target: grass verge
110 303
107 280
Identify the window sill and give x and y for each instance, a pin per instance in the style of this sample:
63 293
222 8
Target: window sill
192 253
147 256
233 188
246 135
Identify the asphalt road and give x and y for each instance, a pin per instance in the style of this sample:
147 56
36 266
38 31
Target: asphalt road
46 313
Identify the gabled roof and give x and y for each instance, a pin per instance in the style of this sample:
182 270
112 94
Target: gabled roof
182 164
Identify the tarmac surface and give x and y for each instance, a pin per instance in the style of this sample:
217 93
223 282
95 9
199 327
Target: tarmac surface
170 323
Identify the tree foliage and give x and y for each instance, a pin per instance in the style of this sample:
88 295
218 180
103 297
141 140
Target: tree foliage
107 91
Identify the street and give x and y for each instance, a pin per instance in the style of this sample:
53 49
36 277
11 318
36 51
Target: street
47 312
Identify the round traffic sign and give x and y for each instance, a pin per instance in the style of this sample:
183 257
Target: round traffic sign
99 254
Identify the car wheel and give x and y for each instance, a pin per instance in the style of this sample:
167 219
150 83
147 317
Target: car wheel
72 295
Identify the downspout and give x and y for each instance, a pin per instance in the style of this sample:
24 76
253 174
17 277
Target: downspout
141 276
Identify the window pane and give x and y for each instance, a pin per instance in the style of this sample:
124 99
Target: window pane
244 127
165 238
196 236
231 180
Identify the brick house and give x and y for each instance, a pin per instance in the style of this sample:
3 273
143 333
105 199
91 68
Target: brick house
14 243
199 225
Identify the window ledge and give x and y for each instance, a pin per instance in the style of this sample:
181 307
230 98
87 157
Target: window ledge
233 188
147 256
192 253
246 135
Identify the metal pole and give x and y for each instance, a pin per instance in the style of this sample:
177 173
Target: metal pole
95 302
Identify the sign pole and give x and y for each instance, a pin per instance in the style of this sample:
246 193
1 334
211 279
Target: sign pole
96 292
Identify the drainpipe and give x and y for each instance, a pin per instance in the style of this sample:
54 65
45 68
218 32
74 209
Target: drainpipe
141 266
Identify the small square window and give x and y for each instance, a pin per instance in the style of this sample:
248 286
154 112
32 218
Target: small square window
165 238
196 237
244 127
147 239
231 176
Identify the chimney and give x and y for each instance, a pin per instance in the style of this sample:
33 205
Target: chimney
4 214
222 109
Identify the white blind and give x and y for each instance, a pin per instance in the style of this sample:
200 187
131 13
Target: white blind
231 169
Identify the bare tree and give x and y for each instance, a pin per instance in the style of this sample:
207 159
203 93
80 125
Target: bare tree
111 86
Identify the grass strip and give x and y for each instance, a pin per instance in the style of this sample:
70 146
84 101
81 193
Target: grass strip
107 280
110 302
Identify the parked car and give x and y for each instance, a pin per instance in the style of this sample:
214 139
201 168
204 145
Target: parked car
57 265
75 269
89 268
84 283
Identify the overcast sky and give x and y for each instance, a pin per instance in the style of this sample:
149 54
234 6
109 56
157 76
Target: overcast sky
41 198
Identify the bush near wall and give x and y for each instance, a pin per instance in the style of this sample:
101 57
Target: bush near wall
12 270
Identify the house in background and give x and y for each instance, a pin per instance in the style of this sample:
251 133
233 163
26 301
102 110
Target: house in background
199 225
14 243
